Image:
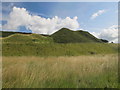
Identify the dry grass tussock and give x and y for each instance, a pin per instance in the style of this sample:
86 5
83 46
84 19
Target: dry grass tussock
76 71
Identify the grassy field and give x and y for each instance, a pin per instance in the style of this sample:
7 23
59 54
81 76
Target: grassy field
38 45
38 61
95 71
54 49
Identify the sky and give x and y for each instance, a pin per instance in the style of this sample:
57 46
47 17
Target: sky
98 18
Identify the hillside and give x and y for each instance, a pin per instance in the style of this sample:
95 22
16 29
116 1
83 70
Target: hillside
51 49
65 35
8 33
62 43
26 38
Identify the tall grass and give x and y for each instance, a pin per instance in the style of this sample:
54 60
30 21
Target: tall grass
98 71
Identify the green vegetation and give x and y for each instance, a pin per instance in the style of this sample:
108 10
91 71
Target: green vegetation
6 33
66 59
65 35
52 49
40 45
60 72
27 39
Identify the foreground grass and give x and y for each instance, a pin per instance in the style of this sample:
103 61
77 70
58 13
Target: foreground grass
97 71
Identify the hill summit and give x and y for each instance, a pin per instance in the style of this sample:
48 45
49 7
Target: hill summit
65 35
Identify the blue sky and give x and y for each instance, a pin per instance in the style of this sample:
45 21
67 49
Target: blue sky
83 10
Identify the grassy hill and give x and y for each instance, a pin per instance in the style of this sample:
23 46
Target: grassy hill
34 60
65 35
54 49
8 33
61 43
27 38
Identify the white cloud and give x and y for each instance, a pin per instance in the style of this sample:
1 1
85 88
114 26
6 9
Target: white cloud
95 34
110 34
21 17
98 13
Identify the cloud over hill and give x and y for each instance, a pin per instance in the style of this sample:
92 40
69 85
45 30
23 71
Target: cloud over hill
110 33
21 17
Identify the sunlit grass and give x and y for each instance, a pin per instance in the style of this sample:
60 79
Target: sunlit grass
60 72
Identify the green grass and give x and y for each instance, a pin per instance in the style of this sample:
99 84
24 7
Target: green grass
53 49
61 72
65 35
8 33
27 38
39 45
37 61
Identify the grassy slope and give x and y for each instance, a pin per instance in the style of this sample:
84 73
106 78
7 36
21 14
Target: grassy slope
27 38
66 72
36 49
8 33
60 72
67 36
38 45
64 35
